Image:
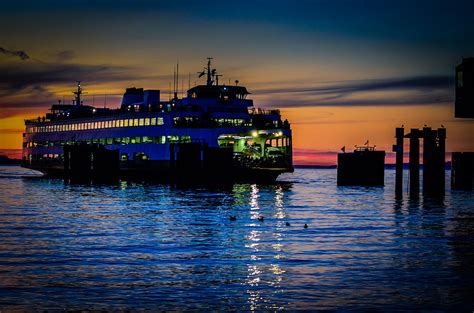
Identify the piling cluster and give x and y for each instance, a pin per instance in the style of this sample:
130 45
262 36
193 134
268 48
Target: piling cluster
434 149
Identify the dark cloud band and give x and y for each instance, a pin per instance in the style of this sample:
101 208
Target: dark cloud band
20 54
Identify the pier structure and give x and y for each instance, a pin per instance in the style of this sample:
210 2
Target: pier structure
462 169
434 148
464 90
364 167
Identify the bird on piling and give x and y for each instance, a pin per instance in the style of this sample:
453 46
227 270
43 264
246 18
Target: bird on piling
233 218
305 226
260 218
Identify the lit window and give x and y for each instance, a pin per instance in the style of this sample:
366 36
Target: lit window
135 122
147 121
121 123
185 139
160 139
153 121
109 141
172 139
147 139
159 121
142 122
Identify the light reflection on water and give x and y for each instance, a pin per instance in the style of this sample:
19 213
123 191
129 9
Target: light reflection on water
135 245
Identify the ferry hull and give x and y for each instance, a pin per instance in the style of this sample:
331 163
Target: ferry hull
161 171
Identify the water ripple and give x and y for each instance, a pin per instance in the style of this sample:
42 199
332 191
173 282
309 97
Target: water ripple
149 246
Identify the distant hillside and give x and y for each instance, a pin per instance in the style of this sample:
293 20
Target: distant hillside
4 160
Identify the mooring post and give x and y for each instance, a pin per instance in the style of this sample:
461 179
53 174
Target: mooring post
399 134
429 160
414 162
441 159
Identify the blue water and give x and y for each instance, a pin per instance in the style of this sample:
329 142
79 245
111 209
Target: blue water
150 246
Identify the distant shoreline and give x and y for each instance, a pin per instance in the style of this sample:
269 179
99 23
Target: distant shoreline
4 160
387 166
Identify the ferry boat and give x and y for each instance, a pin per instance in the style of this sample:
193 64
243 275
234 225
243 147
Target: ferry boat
214 132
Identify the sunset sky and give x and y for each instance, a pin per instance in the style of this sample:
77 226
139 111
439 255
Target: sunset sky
342 72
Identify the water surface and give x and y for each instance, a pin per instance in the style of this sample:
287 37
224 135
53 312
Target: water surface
149 246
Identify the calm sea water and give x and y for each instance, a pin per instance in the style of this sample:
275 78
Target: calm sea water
150 246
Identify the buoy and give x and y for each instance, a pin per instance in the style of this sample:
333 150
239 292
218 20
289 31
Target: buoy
233 218
260 218
305 225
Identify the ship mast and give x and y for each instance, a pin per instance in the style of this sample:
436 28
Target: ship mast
78 93
209 75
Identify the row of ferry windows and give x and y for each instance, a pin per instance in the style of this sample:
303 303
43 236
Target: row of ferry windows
112 141
223 122
146 121
51 156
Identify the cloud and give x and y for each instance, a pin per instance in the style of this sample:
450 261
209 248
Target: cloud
409 91
20 54
37 77
25 86
65 55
